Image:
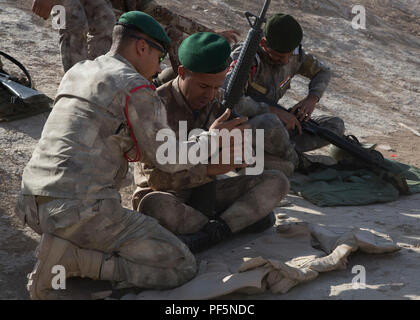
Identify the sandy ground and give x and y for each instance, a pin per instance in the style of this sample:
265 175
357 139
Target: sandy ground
375 87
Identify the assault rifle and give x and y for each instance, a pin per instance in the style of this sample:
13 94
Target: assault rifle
203 198
239 77
370 159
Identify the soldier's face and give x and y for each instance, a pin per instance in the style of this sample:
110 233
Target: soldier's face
151 58
199 89
275 57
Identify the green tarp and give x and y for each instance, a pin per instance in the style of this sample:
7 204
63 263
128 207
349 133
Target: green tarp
331 187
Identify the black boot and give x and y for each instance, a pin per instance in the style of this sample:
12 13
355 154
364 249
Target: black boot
262 224
212 233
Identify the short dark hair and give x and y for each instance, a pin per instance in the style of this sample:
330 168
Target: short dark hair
122 34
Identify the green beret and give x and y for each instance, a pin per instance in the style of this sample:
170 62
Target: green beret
205 52
283 33
144 23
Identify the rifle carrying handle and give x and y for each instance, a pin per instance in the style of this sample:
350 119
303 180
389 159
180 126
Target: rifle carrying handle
21 67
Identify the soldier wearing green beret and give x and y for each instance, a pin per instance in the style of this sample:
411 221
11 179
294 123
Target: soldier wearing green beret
195 97
280 57
106 114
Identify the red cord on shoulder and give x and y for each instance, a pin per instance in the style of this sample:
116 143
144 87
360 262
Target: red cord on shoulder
133 137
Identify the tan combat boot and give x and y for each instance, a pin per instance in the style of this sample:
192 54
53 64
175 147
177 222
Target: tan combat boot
53 251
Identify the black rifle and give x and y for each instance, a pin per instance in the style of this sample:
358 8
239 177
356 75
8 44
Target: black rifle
203 198
370 159
239 78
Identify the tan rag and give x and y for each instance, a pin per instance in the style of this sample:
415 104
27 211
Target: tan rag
277 261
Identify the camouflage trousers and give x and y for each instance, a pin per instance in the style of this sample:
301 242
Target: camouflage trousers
146 255
281 143
240 201
88 30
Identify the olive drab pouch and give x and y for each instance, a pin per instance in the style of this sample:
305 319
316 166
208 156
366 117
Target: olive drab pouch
18 98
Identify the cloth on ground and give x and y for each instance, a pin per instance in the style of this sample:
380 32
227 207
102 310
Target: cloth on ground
277 261
411 173
331 187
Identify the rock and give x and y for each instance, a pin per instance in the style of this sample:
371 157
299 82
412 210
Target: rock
385 147
284 203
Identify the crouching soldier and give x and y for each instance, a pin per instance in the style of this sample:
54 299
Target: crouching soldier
192 203
70 185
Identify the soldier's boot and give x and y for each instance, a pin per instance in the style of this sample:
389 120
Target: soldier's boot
214 232
262 224
77 262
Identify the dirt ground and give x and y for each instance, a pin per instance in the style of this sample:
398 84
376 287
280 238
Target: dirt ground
375 87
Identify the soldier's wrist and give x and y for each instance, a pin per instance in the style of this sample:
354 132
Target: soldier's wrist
313 97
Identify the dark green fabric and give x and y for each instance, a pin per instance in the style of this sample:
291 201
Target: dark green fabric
331 187
146 24
411 173
283 33
205 52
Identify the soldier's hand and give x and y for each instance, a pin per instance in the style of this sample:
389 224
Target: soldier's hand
304 109
230 35
43 8
289 120
223 123
228 146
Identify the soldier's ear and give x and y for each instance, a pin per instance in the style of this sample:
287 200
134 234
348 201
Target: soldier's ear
181 72
140 46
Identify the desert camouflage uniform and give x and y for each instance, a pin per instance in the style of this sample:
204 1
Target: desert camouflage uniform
88 30
70 185
271 81
240 201
176 25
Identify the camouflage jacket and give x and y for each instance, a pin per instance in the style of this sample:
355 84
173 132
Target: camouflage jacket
272 81
105 112
177 110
